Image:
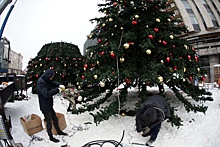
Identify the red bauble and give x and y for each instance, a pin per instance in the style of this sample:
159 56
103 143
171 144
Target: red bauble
115 4
128 81
196 58
156 30
47 59
134 22
131 43
151 36
189 57
99 40
190 78
36 75
86 65
113 72
164 42
168 59
203 78
102 53
83 76
56 59
63 76
175 68
112 54
30 77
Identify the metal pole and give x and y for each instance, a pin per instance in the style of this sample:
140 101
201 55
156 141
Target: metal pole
6 18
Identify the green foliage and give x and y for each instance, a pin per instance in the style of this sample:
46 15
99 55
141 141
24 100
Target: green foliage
64 58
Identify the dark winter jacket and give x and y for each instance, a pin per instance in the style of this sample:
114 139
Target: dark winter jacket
162 112
46 88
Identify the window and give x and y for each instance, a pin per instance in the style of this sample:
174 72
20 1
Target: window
211 15
191 15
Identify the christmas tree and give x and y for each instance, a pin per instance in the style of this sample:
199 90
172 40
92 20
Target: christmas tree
64 58
139 44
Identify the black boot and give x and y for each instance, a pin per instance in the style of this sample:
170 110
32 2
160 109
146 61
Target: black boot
53 139
61 133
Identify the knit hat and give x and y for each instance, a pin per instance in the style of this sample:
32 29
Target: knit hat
150 115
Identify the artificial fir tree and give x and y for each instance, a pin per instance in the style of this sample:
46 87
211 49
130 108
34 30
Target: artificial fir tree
139 44
64 58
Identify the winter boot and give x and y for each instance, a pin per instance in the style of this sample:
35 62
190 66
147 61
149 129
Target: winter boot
61 133
53 139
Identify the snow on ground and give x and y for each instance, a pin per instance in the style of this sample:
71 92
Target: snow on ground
199 130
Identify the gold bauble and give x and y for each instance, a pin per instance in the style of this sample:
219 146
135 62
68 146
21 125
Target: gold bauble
171 37
95 76
136 16
160 79
122 59
157 20
126 45
148 51
110 19
101 84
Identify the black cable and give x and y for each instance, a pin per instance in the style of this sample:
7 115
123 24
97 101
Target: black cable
102 142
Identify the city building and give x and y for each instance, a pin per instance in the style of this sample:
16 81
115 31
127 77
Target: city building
10 61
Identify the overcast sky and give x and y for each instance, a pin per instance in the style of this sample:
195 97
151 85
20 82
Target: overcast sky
33 23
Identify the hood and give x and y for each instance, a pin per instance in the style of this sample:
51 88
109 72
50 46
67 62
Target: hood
48 74
150 115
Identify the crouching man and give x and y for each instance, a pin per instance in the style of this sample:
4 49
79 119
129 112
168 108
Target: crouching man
150 115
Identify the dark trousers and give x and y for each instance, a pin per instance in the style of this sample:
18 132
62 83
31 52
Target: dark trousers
154 131
49 118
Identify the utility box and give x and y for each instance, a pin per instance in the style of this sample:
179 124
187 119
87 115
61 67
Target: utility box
20 82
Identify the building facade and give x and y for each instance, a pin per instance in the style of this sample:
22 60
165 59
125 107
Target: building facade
202 17
10 61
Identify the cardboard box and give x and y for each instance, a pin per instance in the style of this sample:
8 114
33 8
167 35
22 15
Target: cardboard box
61 122
32 126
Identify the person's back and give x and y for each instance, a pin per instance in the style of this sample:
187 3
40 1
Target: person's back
150 115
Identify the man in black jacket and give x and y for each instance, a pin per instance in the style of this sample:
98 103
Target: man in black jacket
150 115
46 89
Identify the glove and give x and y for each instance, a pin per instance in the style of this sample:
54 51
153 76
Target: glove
146 130
61 88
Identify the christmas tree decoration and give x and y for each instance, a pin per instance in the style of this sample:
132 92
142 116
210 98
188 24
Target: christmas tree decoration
55 56
151 40
136 16
171 36
151 36
126 45
95 76
160 79
156 30
110 20
168 59
122 59
148 51
101 84
157 20
134 22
